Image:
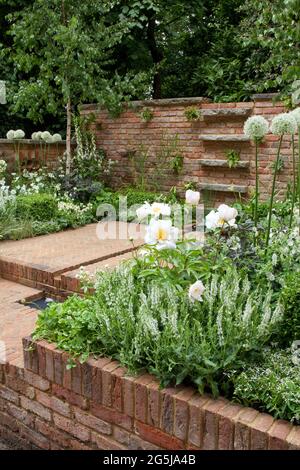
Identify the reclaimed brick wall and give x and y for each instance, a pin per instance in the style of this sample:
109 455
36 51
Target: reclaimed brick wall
97 406
31 154
203 144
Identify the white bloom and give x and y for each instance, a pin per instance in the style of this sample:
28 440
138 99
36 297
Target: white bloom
46 137
38 135
256 127
225 215
196 290
3 167
296 115
19 134
33 136
284 123
159 208
10 135
162 234
143 211
192 197
56 138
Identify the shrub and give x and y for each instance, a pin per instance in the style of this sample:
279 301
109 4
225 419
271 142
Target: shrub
272 385
39 207
290 296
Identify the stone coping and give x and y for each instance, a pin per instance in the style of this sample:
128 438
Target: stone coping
30 141
162 102
171 418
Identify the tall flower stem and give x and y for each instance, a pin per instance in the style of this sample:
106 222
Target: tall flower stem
256 184
273 191
294 196
299 173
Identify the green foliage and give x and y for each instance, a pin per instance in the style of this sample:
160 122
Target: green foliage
149 326
41 207
290 297
233 158
192 114
177 164
147 115
271 385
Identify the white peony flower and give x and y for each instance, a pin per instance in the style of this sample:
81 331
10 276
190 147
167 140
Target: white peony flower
256 127
192 197
284 123
225 215
196 290
19 134
162 234
10 134
144 211
159 208
296 115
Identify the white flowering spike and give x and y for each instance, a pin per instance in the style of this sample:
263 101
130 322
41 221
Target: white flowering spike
196 290
10 135
284 123
159 208
56 138
192 197
144 211
19 134
256 127
296 115
162 234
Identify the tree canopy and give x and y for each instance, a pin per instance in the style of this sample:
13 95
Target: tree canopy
108 51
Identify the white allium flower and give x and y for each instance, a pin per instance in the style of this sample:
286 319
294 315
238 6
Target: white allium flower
162 234
256 127
10 134
196 290
143 211
192 197
296 115
38 135
159 208
19 134
33 136
56 138
46 137
284 123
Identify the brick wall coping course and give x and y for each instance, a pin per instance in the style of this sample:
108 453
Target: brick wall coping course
98 406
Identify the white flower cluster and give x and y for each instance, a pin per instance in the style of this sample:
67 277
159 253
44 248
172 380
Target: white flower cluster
7 196
69 206
15 135
256 127
296 115
33 182
46 137
284 123
3 167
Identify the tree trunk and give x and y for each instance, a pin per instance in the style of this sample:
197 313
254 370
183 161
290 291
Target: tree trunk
69 127
156 54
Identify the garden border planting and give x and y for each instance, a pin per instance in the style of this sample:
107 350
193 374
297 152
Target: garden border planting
97 406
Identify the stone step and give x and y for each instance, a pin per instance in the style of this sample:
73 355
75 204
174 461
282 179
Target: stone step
226 188
226 112
223 164
224 138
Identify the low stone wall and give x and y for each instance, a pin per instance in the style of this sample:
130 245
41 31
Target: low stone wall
98 406
32 156
203 144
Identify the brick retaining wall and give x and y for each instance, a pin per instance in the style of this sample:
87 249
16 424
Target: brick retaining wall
31 154
203 144
97 406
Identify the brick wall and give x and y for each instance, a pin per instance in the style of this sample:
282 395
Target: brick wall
98 406
203 144
31 155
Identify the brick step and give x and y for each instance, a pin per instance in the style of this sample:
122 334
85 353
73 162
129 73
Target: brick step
224 138
226 113
223 164
226 188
